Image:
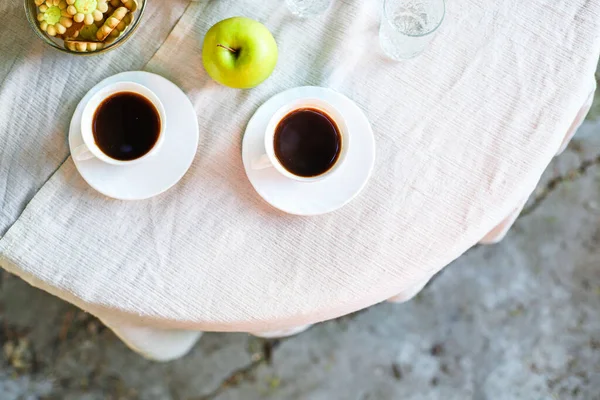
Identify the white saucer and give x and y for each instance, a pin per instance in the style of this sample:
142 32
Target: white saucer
157 173
311 198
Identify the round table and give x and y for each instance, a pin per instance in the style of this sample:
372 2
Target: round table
463 134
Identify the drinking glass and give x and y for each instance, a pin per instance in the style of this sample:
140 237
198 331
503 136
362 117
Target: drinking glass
408 26
307 8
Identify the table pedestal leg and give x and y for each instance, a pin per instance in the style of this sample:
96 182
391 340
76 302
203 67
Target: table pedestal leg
500 231
155 344
577 123
282 333
409 293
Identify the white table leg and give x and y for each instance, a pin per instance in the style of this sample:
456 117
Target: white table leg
155 344
281 333
500 231
409 293
577 122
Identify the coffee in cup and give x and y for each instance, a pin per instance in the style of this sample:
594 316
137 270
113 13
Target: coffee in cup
305 140
126 126
123 123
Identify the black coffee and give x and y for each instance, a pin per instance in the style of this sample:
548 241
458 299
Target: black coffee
307 142
126 126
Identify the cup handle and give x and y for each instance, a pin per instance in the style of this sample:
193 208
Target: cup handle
82 153
262 162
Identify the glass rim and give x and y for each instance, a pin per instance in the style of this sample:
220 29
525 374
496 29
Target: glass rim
429 32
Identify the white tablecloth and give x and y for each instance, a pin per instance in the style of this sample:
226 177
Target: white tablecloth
463 134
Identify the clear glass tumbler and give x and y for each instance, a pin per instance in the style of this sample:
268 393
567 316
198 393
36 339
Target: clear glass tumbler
407 26
307 8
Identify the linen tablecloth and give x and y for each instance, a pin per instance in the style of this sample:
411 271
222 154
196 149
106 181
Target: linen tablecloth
463 134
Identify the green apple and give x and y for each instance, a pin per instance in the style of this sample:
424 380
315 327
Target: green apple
239 52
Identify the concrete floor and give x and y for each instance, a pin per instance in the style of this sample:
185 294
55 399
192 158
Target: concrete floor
519 320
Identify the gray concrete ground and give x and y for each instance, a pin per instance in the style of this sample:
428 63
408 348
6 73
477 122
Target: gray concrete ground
519 320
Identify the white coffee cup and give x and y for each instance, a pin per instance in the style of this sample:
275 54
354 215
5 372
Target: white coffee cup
270 160
90 149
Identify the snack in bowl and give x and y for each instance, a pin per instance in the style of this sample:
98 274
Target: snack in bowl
53 16
73 31
87 11
88 32
109 11
121 27
111 23
84 26
82 46
131 5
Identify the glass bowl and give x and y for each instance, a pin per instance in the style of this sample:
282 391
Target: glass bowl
31 11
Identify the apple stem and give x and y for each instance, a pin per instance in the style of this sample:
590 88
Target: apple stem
227 48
